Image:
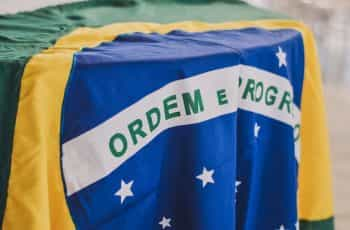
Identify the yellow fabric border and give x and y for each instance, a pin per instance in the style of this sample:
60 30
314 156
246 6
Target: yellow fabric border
35 194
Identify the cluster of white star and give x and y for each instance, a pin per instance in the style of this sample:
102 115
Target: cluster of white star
125 191
207 176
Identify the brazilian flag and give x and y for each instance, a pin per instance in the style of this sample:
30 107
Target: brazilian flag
72 74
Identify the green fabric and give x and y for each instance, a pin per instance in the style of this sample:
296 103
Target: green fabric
327 224
10 77
23 35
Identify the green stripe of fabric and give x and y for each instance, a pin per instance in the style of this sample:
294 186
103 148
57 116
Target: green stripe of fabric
26 34
327 224
10 77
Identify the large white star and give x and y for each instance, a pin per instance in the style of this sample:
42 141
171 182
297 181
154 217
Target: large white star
282 57
206 177
125 190
165 222
281 227
256 129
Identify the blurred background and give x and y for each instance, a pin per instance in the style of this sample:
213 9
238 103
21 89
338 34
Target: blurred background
329 20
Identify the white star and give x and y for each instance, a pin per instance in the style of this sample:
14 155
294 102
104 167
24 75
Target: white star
238 183
281 228
165 222
125 190
297 225
256 129
206 177
281 55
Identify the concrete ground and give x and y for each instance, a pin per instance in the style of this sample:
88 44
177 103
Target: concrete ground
338 111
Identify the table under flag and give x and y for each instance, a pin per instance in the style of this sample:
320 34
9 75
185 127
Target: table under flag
147 114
